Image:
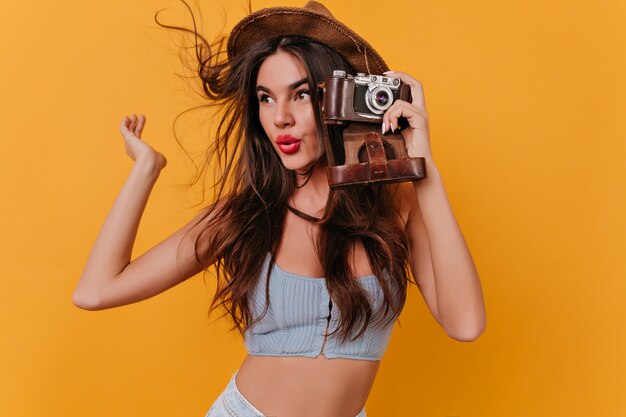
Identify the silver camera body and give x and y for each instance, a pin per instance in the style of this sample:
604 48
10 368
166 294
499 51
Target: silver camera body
374 94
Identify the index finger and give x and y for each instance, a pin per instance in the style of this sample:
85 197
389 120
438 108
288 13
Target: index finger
417 91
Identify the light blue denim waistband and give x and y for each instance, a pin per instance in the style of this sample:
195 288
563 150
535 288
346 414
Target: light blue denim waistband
232 403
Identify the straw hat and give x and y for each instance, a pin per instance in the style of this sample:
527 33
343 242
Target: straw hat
313 21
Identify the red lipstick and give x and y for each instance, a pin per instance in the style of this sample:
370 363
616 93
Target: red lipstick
288 144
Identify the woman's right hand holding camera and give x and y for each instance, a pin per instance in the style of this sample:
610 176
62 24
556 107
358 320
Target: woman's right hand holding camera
140 152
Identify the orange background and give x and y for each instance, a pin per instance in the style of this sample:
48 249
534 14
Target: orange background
526 101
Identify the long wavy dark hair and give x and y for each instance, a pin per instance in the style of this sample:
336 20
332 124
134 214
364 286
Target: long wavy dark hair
252 188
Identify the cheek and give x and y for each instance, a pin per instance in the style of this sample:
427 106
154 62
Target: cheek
265 118
311 125
317 144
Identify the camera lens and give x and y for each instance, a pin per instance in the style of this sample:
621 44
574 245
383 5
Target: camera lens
382 98
378 98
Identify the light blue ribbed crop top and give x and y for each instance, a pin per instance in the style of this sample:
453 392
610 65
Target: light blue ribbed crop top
296 320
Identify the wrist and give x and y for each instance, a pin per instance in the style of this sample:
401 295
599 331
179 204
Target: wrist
148 167
432 172
418 150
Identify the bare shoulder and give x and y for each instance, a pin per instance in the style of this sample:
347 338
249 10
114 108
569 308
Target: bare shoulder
200 231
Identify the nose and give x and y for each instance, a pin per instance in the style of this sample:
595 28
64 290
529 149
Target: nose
283 116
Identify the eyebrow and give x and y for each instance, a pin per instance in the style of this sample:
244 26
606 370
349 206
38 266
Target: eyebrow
291 87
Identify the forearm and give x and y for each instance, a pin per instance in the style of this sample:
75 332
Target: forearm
113 247
459 294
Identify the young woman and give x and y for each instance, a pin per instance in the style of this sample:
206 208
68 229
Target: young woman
313 278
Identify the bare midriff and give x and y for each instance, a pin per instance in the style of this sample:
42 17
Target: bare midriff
298 386
295 386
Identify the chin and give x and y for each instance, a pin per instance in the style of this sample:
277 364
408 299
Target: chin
296 164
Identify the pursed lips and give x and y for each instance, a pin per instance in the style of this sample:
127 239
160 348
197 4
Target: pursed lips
288 144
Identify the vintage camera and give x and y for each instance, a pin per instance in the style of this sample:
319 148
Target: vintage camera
363 97
358 104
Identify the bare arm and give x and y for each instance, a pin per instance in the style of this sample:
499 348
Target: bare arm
440 257
109 278
441 261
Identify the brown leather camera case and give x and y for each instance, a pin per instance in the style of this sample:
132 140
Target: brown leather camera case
369 157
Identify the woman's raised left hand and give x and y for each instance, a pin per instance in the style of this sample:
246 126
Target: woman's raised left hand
417 135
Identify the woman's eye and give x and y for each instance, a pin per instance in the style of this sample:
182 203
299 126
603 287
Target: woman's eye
264 98
303 94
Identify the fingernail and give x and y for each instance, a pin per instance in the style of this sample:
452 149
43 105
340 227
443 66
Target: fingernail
388 72
392 128
383 128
